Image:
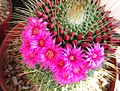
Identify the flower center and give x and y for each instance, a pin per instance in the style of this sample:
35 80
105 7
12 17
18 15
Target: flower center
94 55
50 54
41 42
60 63
35 31
72 58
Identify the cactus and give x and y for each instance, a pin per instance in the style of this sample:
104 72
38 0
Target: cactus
76 23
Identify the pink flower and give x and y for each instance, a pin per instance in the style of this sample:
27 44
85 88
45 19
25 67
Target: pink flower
43 40
74 56
37 45
76 60
31 58
79 73
64 77
34 27
25 47
58 65
96 55
49 55
34 39
68 75
71 67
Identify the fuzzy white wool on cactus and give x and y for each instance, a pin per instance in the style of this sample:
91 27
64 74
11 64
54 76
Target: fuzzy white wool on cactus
113 6
75 13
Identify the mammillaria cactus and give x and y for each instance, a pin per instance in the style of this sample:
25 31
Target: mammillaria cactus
68 43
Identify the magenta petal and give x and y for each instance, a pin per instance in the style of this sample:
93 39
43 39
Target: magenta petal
96 55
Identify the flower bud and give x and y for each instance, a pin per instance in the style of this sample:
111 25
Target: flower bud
71 34
38 13
39 4
79 37
104 30
105 37
46 9
98 39
58 40
51 4
53 13
58 26
97 32
89 33
51 25
54 33
109 25
111 50
56 2
84 44
66 37
106 46
51 18
44 16
89 39
74 42
47 1
61 31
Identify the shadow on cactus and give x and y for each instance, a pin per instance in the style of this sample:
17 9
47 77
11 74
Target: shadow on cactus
67 45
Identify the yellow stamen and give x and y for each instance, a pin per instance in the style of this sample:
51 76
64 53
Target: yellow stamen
35 31
50 54
72 58
94 55
41 42
61 63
